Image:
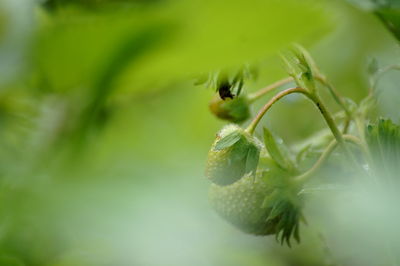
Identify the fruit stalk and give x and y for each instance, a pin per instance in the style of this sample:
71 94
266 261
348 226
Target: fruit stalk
258 94
269 104
321 107
328 118
338 98
325 155
334 93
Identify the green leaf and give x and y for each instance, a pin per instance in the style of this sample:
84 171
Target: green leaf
253 155
284 203
276 151
388 11
238 109
201 36
240 150
277 209
270 198
228 140
390 16
383 140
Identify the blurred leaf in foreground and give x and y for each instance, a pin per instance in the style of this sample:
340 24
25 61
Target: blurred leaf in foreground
389 14
388 11
207 35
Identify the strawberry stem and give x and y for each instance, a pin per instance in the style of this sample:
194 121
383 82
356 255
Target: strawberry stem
325 155
328 118
252 126
258 94
321 107
336 96
312 96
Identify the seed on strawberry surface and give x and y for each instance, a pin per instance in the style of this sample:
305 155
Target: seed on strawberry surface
241 204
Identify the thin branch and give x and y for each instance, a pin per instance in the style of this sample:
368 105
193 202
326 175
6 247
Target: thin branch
258 94
252 126
335 94
321 107
325 155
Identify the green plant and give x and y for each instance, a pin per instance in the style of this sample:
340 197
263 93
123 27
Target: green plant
266 198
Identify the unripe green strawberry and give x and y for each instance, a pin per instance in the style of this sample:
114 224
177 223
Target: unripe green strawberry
241 204
268 203
235 110
233 154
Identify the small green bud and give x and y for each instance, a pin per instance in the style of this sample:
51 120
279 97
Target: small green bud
236 110
233 154
300 65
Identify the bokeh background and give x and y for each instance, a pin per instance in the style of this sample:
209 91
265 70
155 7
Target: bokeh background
104 136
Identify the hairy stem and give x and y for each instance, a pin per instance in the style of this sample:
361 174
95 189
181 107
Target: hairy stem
346 125
258 94
269 104
333 127
335 94
321 107
325 155
328 118
313 97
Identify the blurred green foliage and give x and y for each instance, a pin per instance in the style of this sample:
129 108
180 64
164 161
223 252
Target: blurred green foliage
103 136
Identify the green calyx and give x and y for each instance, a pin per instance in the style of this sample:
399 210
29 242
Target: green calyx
233 154
236 110
284 202
253 186
300 65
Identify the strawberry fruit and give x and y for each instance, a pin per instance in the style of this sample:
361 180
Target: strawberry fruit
233 154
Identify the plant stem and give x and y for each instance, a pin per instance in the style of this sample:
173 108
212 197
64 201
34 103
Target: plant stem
252 126
258 94
359 122
324 156
338 98
328 118
321 107
346 126
333 127
313 97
